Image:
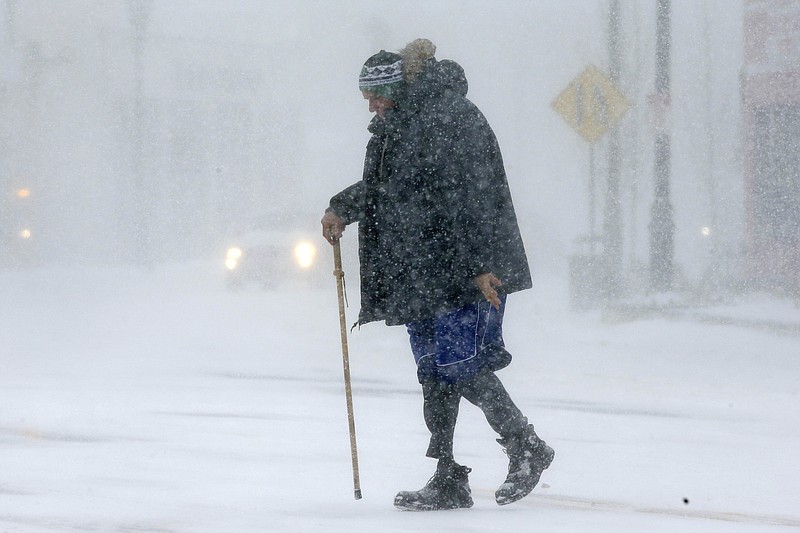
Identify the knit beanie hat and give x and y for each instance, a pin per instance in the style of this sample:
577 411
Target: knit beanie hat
382 74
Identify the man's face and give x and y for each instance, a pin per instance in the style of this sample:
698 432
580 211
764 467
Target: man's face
377 104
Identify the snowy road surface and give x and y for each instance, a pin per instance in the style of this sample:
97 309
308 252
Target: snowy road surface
159 401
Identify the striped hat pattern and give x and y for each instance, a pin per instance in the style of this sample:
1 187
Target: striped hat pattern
382 74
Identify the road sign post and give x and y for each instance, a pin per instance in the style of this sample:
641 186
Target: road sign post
592 105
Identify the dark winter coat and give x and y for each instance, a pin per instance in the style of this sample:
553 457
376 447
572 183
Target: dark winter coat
433 206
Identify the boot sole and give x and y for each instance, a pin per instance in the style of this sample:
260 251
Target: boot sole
404 505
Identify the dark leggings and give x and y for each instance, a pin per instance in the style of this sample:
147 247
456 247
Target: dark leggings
440 409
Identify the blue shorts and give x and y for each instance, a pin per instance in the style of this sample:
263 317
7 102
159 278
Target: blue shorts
455 346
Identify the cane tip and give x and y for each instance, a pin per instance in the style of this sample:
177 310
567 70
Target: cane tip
357 494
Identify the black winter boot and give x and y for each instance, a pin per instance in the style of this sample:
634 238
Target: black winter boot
447 489
528 457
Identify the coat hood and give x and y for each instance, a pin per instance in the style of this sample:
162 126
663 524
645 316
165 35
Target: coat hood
426 77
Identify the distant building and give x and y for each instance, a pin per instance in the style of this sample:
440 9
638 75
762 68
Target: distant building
771 105
141 142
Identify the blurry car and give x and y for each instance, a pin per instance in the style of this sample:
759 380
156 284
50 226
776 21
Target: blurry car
272 258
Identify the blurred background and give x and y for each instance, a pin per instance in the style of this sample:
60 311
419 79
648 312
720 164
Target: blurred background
652 146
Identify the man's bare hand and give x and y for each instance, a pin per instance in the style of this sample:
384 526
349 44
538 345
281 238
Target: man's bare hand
487 283
332 227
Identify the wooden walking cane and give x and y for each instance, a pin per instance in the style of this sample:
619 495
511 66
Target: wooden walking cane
348 392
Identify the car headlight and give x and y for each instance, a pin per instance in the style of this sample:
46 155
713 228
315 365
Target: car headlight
232 258
304 254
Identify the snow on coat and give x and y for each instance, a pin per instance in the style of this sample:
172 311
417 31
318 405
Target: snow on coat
434 207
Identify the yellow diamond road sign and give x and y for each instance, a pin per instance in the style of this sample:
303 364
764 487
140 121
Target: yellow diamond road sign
591 104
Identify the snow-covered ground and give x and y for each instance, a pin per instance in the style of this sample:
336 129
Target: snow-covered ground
159 401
